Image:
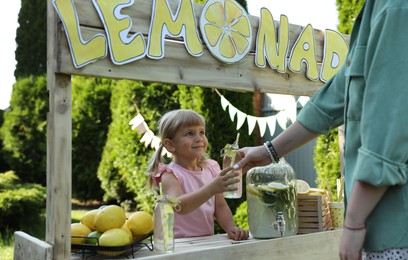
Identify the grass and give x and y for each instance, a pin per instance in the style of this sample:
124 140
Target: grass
7 239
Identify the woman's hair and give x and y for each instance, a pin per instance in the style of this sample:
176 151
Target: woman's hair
168 125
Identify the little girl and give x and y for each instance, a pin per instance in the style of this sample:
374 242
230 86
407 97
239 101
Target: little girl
197 182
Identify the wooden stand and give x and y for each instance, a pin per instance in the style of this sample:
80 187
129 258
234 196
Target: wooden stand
314 213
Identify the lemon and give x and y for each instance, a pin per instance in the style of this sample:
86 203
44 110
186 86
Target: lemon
278 185
88 218
140 223
80 230
302 187
226 30
316 192
253 190
109 217
124 227
114 237
92 238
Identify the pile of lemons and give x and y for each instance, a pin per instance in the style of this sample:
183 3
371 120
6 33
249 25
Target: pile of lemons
109 226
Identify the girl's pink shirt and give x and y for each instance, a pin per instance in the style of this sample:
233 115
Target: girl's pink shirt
199 222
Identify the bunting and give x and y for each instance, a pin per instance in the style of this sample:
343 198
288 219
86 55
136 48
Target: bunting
286 114
269 122
148 138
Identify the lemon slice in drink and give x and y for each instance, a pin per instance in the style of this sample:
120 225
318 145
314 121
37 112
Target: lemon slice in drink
273 187
277 185
226 30
302 187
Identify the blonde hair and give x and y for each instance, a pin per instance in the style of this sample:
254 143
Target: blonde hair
168 125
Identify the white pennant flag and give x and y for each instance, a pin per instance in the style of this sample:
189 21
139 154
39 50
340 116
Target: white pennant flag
291 112
251 124
136 121
262 125
240 119
272 124
155 142
224 102
232 111
142 128
147 138
303 100
282 119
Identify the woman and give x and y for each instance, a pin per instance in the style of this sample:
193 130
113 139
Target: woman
368 95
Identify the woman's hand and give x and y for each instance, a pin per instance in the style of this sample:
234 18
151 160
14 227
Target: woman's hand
351 244
253 156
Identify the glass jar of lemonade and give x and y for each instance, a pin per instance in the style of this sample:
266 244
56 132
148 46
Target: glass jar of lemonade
271 198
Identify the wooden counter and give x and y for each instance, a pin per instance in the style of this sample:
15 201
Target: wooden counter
320 245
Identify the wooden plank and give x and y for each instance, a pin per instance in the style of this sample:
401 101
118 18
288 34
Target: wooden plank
319 245
59 146
178 67
28 247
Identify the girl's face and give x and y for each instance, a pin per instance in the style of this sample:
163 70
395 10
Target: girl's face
189 143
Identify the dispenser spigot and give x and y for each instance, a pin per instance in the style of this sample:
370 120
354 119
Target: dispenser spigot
279 224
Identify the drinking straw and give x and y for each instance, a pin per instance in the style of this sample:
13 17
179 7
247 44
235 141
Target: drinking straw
233 146
165 210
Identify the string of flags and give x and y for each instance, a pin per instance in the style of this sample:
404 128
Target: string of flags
149 139
288 112
281 118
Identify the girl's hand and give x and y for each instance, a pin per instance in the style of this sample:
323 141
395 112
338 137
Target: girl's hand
351 244
237 233
223 180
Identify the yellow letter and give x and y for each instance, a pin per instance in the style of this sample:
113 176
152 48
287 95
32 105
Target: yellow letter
182 24
266 44
82 52
304 52
123 49
335 51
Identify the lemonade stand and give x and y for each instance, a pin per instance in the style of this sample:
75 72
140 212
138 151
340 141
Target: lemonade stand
216 45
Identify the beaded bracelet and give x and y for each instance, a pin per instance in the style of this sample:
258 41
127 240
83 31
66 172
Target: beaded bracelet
354 228
271 151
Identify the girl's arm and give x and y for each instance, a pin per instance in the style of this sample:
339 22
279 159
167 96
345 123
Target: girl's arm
224 217
193 200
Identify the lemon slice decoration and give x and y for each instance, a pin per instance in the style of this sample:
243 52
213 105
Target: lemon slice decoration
302 187
226 30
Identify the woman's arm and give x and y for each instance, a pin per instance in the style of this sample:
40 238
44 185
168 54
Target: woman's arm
363 199
293 137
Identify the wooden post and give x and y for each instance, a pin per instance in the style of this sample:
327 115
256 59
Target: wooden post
59 145
28 247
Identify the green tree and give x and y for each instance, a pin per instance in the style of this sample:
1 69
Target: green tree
348 11
124 159
3 164
24 129
31 38
90 120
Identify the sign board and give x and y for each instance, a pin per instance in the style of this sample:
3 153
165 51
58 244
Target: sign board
212 45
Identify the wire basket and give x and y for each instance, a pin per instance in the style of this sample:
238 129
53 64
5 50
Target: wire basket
89 250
